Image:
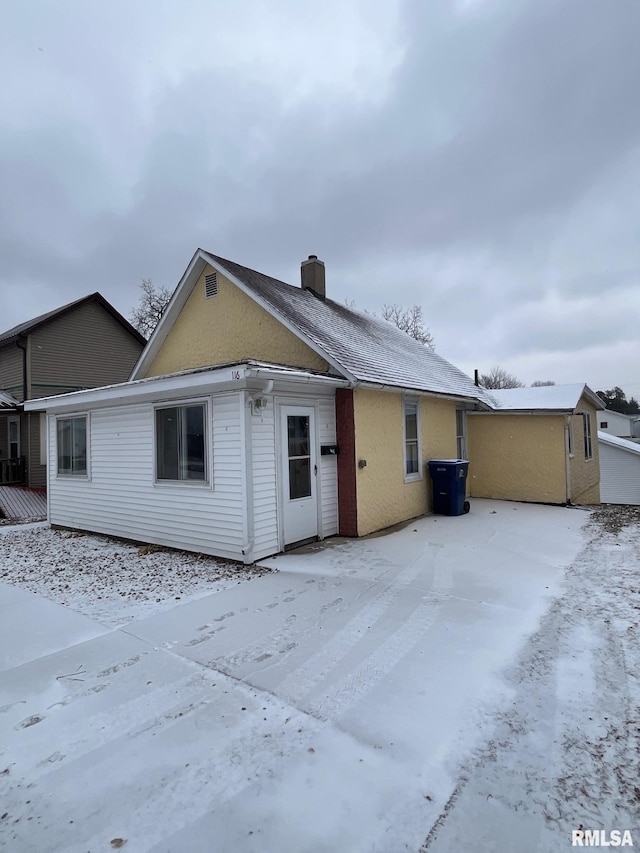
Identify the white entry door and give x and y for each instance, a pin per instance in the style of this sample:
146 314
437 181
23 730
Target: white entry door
299 474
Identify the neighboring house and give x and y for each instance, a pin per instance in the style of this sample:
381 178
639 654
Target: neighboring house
615 423
539 445
81 345
258 416
619 470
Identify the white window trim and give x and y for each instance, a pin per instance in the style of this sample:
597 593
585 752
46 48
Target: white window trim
570 439
207 483
411 478
587 434
71 476
464 434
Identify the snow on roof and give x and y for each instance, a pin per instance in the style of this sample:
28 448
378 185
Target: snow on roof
622 443
563 398
369 349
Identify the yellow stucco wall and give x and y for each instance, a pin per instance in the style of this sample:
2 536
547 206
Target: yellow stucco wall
517 457
383 496
228 327
585 474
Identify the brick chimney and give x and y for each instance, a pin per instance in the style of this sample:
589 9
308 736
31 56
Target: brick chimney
312 274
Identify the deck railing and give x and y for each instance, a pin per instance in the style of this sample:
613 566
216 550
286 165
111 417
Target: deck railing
12 471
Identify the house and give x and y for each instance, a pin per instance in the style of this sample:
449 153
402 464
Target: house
619 470
622 426
539 444
259 415
84 344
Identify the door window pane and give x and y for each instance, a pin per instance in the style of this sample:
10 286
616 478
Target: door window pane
299 478
411 438
298 434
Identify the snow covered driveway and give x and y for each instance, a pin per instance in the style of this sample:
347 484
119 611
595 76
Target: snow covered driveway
332 706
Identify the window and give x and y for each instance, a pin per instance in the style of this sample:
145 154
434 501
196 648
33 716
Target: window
180 443
586 423
299 444
461 434
411 440
72 446
14 438
570 437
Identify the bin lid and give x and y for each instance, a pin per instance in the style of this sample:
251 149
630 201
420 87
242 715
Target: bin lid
448 462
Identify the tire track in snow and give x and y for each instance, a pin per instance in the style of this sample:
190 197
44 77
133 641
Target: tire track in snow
377 665
302 681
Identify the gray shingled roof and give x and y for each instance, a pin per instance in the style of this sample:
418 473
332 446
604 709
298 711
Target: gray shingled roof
369 349
7 401
42 319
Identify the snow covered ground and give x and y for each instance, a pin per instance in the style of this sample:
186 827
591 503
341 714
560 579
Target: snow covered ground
452 686
111 581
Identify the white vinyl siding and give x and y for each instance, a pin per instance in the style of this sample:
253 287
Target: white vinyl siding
122 499
328 468
265 502
619 475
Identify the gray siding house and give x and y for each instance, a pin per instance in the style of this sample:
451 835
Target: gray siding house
85 344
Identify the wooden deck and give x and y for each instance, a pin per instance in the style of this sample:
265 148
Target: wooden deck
18 503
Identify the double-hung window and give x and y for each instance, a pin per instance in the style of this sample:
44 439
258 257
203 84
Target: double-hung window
72 446
461 434
181 442
586 425
411 417
570 437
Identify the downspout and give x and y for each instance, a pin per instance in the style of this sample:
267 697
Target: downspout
245 414
22 343
567 460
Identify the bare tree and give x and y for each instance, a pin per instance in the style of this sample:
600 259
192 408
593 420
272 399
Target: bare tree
409 320
499 378
542 383
150 308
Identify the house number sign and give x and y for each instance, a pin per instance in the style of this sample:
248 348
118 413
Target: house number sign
235 374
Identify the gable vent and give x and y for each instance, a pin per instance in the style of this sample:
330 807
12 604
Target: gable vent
211 285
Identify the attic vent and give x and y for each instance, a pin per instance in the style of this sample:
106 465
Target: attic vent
211 285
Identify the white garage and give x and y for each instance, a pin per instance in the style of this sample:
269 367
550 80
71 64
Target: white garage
619 470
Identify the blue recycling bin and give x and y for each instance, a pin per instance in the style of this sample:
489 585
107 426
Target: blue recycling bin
449 481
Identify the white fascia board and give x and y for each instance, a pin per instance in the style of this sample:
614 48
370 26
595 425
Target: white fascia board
237 377
593 398
173 309
281 319
300 377
143 390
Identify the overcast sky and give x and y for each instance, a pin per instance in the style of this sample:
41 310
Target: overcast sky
479 157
